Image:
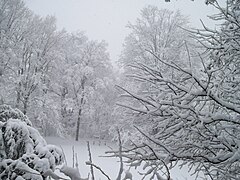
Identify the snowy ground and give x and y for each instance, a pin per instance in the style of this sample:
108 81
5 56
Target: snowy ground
109 165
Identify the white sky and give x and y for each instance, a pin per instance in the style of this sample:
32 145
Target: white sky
107 19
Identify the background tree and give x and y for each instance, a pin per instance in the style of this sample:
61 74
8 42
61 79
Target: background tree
84 73
13 13
158 32
28 47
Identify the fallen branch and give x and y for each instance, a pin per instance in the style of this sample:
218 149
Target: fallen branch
97 167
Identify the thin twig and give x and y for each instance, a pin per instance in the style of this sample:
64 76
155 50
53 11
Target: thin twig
73 156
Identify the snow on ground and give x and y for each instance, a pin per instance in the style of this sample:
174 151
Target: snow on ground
109 165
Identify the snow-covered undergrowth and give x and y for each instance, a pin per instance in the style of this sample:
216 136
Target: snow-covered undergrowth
24 154
109 165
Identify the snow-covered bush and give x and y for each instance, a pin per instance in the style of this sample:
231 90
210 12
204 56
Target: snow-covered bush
24 154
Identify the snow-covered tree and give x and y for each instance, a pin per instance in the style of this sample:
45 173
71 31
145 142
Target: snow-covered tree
158 31
48 74
13 14
28 46
24 154
82 74
102 106
32 58
192 116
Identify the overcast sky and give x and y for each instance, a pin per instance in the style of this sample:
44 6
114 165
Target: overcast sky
107 19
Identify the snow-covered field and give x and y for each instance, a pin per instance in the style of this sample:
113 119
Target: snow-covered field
109 165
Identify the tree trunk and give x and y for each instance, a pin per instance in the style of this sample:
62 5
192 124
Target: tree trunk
18 96
80 109
25 105
78 123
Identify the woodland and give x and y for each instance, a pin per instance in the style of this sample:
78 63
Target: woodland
175 101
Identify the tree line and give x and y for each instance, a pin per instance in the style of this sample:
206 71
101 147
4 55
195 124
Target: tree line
62 81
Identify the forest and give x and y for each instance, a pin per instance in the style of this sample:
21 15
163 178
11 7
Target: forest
174 101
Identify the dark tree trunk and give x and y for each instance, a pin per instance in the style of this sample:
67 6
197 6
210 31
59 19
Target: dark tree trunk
78 123
80 107
18 95
25 105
